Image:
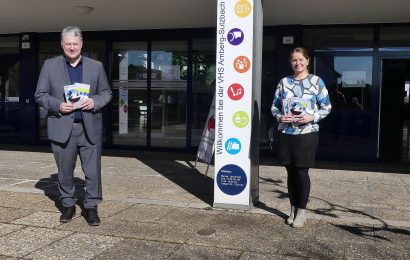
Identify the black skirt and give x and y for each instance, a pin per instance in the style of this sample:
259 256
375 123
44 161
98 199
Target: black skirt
298 150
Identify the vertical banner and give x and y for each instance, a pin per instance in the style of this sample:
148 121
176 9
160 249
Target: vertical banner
123 96
123 110
123 67
235 102
206 146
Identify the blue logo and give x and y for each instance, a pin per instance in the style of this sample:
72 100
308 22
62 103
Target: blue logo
73 95
231 179
233 146
235 36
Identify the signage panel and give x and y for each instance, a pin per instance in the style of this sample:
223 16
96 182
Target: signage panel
234 102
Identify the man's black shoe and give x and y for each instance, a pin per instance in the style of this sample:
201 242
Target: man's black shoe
92 217
67 214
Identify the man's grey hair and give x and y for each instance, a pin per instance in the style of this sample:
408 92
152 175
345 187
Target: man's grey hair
72 31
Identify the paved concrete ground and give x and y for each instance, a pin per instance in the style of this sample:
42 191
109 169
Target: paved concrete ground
157 207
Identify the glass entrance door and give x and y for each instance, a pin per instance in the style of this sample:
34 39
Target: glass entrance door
169 94
394 140
129 103
9 88
149 110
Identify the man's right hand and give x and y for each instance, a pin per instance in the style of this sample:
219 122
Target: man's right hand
66 108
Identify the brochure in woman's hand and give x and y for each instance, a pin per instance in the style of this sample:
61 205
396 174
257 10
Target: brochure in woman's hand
295 107
76 93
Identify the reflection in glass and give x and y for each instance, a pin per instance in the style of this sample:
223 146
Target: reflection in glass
129 78
9 87
394 138
203 84
349 82
47 50
168 95
267 124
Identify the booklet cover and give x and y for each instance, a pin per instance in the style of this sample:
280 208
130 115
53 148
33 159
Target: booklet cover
295 107
76 93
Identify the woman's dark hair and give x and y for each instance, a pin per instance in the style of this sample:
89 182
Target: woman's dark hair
301 50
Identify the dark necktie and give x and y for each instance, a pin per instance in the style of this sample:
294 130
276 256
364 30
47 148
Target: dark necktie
77 116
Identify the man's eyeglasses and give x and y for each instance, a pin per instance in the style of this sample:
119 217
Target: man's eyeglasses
69 44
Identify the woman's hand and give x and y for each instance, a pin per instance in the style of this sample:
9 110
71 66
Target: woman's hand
304 119
286 119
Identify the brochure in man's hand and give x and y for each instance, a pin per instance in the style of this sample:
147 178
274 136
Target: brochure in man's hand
295 107
76 93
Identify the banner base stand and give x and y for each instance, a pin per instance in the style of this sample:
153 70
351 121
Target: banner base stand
207 167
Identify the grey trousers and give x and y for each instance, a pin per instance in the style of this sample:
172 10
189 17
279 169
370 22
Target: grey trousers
66 157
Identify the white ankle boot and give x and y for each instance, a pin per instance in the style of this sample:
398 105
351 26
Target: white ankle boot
291 217
300 218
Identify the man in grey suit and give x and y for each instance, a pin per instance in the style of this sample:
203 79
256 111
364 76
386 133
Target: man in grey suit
75 131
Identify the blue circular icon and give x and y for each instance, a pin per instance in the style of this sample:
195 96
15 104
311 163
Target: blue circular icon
235 36
231 179
233 146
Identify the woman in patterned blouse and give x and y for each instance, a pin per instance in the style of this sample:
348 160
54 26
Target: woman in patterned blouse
300 102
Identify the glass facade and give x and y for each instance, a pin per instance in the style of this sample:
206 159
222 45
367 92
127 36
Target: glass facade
203 84
156 103
343 58
158 109
349 39
129 75
394 137
267 123
169 70
349 82
366 87
47 50
395 38
166 80
9 87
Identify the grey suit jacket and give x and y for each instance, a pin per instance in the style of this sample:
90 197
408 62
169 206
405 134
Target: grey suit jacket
50 93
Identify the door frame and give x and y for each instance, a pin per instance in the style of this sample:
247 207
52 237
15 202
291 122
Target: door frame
399 55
